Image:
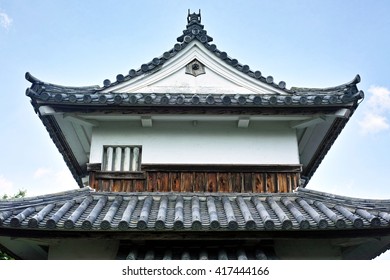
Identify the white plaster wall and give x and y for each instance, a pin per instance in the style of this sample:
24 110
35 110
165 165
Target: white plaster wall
207 83
205 143
219 78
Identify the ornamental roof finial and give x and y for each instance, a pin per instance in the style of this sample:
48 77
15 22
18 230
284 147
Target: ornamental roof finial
193 18
194 30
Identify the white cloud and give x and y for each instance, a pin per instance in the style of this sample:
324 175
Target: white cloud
41 172
380 98
376 119
373 123
6 186
51 181
5 20
64 180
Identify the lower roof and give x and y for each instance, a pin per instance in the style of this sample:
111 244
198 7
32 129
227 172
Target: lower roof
85 210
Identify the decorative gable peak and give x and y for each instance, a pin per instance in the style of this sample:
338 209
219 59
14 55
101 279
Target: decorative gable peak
193 18
194 30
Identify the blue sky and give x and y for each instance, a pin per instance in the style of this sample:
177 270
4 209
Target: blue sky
304 43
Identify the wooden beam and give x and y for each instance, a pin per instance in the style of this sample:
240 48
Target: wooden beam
146 121
222 167
81 121
308 122
343 113
243 122
47 111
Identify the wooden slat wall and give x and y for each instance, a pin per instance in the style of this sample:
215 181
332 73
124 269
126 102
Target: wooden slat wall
198 181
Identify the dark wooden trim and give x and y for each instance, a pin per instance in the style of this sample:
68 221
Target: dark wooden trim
222 168
120 175
198 235
94 166
308 109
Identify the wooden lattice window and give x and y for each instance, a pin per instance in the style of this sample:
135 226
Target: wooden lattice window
122 158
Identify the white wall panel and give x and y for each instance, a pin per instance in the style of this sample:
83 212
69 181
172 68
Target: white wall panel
203 143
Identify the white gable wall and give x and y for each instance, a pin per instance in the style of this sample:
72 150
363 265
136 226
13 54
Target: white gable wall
219 76
180 82
203 143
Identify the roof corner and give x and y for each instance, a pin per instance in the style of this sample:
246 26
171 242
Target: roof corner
32 79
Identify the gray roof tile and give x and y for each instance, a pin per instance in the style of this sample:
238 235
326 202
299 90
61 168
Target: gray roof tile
96 211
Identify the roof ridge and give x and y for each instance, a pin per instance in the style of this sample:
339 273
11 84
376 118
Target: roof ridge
46 198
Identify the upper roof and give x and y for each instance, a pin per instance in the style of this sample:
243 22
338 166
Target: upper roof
175 83
194 50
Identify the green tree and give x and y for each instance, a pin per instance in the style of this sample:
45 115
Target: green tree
21 193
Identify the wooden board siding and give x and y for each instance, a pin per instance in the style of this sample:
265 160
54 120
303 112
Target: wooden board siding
196 181
199 181
270 185
258 183
236 179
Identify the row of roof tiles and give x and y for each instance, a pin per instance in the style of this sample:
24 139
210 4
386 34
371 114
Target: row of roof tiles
195 99
90 210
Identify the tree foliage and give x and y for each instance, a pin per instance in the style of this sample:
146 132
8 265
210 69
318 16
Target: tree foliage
21 193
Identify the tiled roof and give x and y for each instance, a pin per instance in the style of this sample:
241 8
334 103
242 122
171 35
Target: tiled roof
50 93
86 210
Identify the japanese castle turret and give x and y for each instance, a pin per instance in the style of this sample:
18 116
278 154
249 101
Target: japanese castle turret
194 155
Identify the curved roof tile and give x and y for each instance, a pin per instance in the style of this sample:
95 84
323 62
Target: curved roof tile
95 211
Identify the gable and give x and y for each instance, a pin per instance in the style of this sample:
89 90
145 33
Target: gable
178 76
